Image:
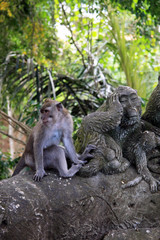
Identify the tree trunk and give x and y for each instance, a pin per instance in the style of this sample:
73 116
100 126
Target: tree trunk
74 209
10 130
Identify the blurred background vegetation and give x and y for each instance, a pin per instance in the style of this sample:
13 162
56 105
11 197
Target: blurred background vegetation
74 51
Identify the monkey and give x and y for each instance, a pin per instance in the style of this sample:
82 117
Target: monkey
111 128
107 129
151 118
138 150
42 150
151 122
152 112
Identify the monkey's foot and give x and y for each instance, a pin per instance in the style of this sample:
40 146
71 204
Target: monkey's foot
125 164
39 175
154 183
71 172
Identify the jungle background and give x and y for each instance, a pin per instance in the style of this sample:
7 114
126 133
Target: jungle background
75 51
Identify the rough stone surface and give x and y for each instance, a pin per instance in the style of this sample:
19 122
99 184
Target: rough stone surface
92 208
131 234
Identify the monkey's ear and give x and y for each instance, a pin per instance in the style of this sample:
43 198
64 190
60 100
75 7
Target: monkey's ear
48 100
59 106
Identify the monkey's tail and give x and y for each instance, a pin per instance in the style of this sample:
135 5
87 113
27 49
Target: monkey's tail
132 183
20 165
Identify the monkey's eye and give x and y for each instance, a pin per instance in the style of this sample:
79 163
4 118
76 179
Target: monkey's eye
50 116
123 100
46 111
133 98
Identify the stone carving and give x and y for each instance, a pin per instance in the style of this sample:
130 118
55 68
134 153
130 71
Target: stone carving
151 121
116 130
138 150
152 113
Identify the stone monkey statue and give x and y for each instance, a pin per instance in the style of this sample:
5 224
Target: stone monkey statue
138 149
151 122
152 112
151 117
115 124
108 128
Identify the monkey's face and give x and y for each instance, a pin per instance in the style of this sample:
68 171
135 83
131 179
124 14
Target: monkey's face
46 115
50 112
149 140
131 104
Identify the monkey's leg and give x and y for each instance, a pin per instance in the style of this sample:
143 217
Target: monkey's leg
62 166
87 154
71 171
114 160
141 163
29 161
54 157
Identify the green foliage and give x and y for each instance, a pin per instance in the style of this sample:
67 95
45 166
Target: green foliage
6 164
143 9
29 84
76 51
99 49
28 27
131 51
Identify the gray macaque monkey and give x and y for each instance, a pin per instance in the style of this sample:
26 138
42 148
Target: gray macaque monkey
43 151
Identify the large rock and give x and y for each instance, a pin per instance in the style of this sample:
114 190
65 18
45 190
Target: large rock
134 234
75 209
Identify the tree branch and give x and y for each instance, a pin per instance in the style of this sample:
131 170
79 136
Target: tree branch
24 127
72 36
61 77
15 139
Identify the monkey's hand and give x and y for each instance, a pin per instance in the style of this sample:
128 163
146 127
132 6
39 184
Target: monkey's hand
115 107
39 175
87 154
154 183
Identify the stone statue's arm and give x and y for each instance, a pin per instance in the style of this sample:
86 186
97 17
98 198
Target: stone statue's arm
105 120
148 126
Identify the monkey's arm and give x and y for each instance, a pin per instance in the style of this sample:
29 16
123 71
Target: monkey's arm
70 149
148 126
106 120
20 165
38 156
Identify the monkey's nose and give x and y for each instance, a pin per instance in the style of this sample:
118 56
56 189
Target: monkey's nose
44 120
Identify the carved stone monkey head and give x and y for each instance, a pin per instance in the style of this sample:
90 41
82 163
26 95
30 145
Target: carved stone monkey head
131 104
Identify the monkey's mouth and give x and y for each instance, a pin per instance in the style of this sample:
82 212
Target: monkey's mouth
45 122
130 121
